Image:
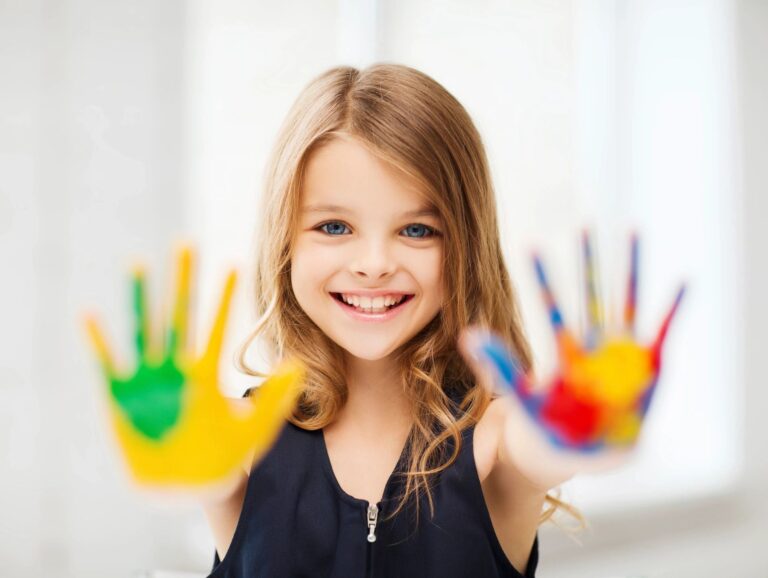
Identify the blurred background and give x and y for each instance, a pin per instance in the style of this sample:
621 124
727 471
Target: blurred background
125 126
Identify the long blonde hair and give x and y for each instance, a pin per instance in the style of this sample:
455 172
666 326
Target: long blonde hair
412 122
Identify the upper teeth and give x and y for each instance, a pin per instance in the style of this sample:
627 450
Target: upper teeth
375 303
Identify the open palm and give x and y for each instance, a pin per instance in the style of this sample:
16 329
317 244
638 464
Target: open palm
597 400
172 422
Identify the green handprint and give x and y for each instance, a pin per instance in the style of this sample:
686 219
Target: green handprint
169 415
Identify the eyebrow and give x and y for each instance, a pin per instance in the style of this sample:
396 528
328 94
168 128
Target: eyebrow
422 212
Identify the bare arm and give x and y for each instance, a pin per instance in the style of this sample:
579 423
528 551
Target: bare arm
514 503
223 509
222 515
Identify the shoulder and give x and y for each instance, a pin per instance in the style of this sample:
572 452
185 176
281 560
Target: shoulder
486 438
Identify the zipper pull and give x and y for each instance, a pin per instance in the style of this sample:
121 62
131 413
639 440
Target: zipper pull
373 514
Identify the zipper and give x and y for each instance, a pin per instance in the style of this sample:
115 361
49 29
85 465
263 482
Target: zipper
373 515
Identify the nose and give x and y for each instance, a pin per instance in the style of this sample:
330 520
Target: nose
373 260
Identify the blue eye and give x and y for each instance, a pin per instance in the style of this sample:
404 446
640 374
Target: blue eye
415 230
335 226
417 227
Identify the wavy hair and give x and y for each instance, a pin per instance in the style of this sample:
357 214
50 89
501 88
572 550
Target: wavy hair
410 121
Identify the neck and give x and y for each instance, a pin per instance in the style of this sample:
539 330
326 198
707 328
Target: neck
376 402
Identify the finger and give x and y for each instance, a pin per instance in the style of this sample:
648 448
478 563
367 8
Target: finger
630 306
177 335
555 317
99 346
486 351
140 312
216 339
594 313
662 334
645 399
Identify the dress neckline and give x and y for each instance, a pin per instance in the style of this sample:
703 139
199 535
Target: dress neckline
328 468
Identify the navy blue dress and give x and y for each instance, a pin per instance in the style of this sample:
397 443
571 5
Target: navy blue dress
297 522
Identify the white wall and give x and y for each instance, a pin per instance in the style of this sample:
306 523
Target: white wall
91 151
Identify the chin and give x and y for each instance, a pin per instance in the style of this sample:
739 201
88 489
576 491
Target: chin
369 352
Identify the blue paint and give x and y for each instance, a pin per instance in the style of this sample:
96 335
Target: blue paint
506 367
502 361
645 399
555 317
563 444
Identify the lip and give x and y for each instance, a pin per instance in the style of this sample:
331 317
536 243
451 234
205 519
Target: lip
372 292
373 317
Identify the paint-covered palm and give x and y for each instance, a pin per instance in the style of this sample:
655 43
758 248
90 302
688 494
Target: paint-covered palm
172 422
597 400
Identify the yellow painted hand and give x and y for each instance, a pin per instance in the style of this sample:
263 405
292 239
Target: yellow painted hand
173 424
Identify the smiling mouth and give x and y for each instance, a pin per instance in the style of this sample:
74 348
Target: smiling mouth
402 302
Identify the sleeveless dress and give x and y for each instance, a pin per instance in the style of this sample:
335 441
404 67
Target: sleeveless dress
297 522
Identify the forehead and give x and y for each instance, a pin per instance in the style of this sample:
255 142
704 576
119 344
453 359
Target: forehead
344 175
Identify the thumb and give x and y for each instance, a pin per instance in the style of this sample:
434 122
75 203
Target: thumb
274 402
493 363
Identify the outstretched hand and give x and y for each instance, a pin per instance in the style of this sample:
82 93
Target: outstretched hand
589 416
172 423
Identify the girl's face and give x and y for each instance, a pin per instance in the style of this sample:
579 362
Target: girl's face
365 236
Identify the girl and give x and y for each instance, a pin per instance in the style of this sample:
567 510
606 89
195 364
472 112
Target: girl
379 244
379 250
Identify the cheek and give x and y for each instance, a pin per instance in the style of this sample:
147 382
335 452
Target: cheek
430 273
301 273
311 267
